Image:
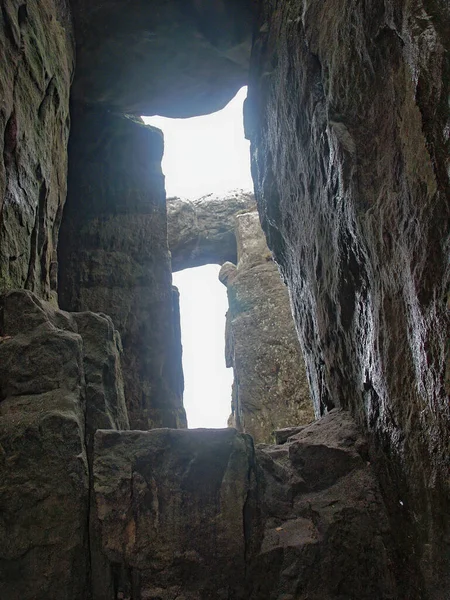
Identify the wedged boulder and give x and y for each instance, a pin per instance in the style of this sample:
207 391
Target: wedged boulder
176 513
327 533
37 64
201 231
270 389
179 58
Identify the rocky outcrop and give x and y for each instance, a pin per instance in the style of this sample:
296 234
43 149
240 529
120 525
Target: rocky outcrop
176 513
36 58
59 379
180 58
270 388
202 231
326 530
348 118
114 257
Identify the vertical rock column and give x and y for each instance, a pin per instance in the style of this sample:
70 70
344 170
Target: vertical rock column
270 388
114 256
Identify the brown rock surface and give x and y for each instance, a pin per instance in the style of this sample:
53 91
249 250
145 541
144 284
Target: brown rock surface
179 58
175 509
270 388
114 257
36 67
201 231
326 531
348 117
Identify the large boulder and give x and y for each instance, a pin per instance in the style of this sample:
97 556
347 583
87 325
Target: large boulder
179 58
348 117
37 63
176 513
326 530
270 388
202 231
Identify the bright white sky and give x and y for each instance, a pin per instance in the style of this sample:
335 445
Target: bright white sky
205 155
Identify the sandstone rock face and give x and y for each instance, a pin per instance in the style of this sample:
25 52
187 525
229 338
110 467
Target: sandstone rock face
176 512
202 231
348 117
36 58
179 58
326 532
60 379
270 388
44 475
115 260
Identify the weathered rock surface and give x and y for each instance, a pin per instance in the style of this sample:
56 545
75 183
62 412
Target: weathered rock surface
36 58
326 534
202 231
179 58
176 512
348 117
270 388
60 379
114 257
44 474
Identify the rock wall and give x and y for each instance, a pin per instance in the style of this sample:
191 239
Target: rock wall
37 62
114 257
270 388
59 380
348 118
201 231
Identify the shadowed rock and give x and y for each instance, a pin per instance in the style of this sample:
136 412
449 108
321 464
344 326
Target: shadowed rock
202 231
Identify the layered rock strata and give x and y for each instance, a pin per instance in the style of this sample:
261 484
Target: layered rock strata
37 63
60 379
270 388
201 231
348 117
114 257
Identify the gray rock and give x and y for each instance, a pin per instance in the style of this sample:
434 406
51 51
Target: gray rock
114 257
176 512
202 231
43 463
177 59
347 114
326 528
283 435
270 389
37 61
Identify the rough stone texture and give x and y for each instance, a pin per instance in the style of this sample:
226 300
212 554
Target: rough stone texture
60 380
114 257
326 534
179 58
44 474
349 121
270 388
202 231
36 66
175 510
